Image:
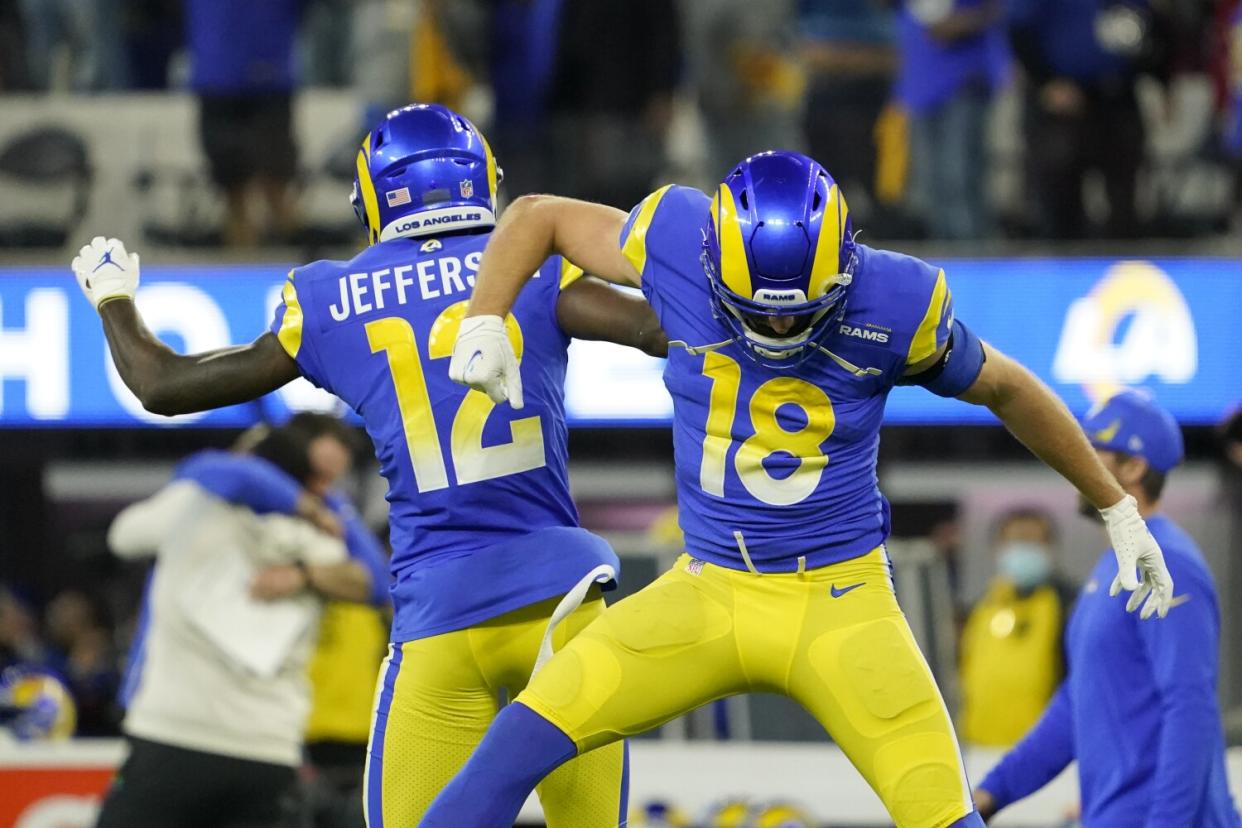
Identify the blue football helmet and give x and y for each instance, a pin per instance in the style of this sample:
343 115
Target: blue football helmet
424 169
779 254
35 705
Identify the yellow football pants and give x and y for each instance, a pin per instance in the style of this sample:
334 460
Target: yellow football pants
832 639
435 699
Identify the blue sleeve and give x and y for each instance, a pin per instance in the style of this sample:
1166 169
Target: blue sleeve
958 369
1182 649
289 324
1038 758
242 480
363 547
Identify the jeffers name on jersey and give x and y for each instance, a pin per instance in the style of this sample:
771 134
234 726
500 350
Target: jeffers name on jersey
442 276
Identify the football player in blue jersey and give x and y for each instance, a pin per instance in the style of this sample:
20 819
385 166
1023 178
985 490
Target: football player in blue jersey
789 336
490 567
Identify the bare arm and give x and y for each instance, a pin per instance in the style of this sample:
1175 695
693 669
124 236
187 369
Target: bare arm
345 581
169 383
535 227
1038 418
590 309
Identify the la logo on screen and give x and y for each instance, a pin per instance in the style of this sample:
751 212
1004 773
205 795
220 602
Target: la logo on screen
1133 326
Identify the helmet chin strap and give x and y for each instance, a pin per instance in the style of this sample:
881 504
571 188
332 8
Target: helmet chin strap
699 350
849 366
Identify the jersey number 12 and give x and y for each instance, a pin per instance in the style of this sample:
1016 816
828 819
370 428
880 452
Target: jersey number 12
472 461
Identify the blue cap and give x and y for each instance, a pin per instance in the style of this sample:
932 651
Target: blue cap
1131 422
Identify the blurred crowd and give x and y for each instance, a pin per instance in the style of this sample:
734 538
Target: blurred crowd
75 639
897 98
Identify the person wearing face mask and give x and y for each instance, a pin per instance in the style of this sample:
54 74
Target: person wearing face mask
1011 660
1141 715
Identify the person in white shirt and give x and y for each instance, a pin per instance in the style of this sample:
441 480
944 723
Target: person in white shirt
242 568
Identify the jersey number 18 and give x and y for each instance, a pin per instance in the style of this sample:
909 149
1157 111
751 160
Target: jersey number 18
769 437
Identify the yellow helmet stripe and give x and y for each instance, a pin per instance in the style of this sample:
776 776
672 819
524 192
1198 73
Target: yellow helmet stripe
827 261
367 188
634 248
492 183
734 269
290 333
924 343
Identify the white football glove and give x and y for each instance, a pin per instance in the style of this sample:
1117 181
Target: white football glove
1137 549
483 358
106 271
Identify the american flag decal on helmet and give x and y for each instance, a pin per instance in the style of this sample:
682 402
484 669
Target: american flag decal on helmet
467 188
398 197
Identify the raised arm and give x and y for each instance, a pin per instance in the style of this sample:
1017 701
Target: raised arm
1042 423
163 380
531 229
590 309
535 227
168 383
1038 418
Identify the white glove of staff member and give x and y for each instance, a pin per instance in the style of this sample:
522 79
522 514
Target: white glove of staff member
483 358
1137 550
105 271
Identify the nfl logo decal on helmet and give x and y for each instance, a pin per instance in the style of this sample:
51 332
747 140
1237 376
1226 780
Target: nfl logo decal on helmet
424 170
779 254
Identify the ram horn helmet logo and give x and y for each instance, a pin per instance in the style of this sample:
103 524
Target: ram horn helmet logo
1106 435
1134 325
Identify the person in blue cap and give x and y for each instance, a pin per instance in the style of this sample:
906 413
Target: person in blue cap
1138 709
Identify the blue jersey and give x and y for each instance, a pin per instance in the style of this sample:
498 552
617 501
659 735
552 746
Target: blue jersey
780 464
1138 708
481 518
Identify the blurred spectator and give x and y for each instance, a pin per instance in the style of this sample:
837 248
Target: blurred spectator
523 37
1138 710
353 639
19 632
13 75
219 711
441 65
154 31
82 38
242 70
954 57
1081 58
617 66
380 44
851 59
1011 654
327 30
747 75
82 653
